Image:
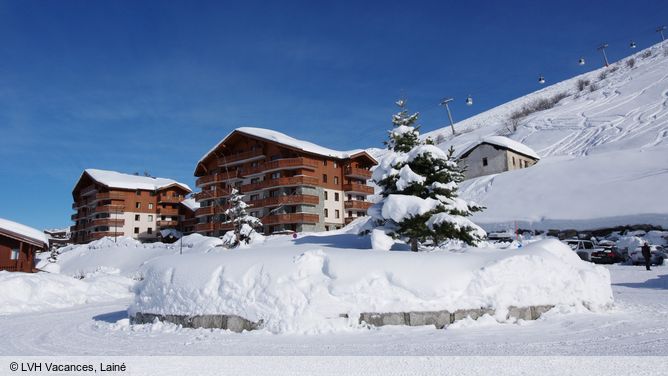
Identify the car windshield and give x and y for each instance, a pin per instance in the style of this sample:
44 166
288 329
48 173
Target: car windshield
588 245
573 245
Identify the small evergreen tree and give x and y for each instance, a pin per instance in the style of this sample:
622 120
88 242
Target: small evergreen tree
245 225
419 185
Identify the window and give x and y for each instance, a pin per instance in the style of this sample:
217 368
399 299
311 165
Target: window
337 214
138 205
336 180
150 218
484 161
153 193
335 165
150 205
136 217
276 175
162 217
326 195
136 230
526 163
361 214
324 178
513 161
326 213
336 196
350 214
255 180
324 163
15 254
254 197
138 192
149 230
326 228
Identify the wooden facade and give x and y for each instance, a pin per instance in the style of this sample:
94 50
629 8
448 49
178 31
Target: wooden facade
289 189
17 252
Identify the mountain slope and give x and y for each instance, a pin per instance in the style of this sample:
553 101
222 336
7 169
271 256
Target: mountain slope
604 151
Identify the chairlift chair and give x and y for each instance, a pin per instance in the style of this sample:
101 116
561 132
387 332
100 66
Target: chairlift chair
632 44
541 80
469 101
581 61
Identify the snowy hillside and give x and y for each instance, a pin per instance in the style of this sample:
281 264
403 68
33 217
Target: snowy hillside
603 149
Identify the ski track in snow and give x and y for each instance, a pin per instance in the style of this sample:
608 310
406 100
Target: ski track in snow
635 326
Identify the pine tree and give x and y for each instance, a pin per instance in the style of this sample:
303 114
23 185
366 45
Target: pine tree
245 225
419 184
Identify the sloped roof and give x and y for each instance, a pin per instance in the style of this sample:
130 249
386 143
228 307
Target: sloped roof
113 179
283 139
11 227
190 203
503 142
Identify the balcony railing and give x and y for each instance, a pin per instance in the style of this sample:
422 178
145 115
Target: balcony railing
209 194
216 178
167 223
239 157
106 222
90 190
290 218
168 211
109 196
358 188
280 182
206 210
358 173
357 204
102 234
207 227
285 200
282 164
166 199
109 209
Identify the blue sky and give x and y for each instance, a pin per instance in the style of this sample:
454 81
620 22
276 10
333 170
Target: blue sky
152 85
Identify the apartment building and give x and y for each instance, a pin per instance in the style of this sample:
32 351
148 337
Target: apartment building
110 203
291 185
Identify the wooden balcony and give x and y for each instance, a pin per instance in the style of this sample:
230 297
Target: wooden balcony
357 205
216 178
280 182
109 196
285 200
227 160
167 223
168 211
208 195
208 227
166 199
110 222
290 218
358 188
109 209
282 164
88 191
357 173
102 234
204 211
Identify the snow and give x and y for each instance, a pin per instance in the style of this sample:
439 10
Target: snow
602 152
398 207
503 142
23 230
191 204
408 177
113 179
281 138
304 290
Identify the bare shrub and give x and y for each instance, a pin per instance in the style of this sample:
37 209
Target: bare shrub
603 75
646 54
593 87
581 84
614 69
631 62
540 104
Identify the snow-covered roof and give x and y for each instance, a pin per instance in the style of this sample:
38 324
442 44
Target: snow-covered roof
23 231
503 142
190 203
113 179
281 138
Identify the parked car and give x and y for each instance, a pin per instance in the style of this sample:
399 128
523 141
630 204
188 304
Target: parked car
584 248
606 256
500 237
657 251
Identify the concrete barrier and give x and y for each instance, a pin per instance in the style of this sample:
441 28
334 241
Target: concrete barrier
439 319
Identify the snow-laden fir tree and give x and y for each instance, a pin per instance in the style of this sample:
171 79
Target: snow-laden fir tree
419 184
245 224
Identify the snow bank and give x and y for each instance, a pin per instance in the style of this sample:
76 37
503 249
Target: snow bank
26 292
296 290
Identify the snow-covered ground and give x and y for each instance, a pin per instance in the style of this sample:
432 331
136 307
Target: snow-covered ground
635 326
603 151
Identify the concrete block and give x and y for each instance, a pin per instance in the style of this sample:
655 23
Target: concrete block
523 313
207 321
380 319
537 311
237 324
473 313
439 319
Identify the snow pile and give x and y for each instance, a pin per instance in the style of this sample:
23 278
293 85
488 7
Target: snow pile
115 179
27 292
293 289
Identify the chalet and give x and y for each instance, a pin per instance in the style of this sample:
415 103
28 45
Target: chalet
291 185
496 154
110 203
18 245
